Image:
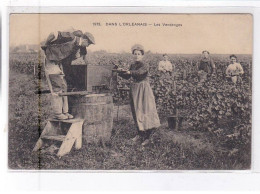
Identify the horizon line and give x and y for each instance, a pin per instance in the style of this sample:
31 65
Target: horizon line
123 52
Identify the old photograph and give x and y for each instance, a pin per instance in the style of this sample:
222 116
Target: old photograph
130 91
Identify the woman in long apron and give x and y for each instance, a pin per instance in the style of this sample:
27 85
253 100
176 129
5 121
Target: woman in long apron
142 100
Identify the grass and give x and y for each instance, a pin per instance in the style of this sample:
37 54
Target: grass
168 150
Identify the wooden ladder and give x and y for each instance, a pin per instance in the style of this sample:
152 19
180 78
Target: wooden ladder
66 131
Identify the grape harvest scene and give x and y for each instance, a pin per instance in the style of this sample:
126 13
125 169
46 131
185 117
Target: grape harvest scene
213 118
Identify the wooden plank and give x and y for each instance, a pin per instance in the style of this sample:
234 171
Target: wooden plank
78 142
73 134
74 93
76 120
48 130
54 137
38 145
96 95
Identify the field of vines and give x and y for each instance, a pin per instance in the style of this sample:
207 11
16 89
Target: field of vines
216 110
217 106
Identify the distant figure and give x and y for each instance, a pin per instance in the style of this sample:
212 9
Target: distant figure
165 65
205 66
141 96
61 49
234 70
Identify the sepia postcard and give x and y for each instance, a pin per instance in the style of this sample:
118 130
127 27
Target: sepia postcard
130 91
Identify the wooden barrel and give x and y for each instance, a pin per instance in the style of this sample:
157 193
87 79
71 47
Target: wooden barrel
97 112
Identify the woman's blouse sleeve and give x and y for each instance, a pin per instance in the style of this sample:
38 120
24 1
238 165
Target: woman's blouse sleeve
140 71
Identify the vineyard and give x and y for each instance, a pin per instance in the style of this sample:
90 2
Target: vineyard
217 106
215 113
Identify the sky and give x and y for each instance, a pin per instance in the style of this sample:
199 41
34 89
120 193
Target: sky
217 33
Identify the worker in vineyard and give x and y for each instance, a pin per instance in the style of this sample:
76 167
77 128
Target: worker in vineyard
234 70
141 96
60 50
165 65
167 70
206 66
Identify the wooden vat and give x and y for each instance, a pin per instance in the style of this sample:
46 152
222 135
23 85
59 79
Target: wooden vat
97 112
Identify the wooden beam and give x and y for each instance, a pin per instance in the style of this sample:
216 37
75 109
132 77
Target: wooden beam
74 93
74 133
54 137
67 120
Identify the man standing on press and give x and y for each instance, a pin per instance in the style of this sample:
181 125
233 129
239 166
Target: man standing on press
61 49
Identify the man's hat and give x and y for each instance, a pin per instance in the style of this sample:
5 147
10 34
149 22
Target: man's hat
89 36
